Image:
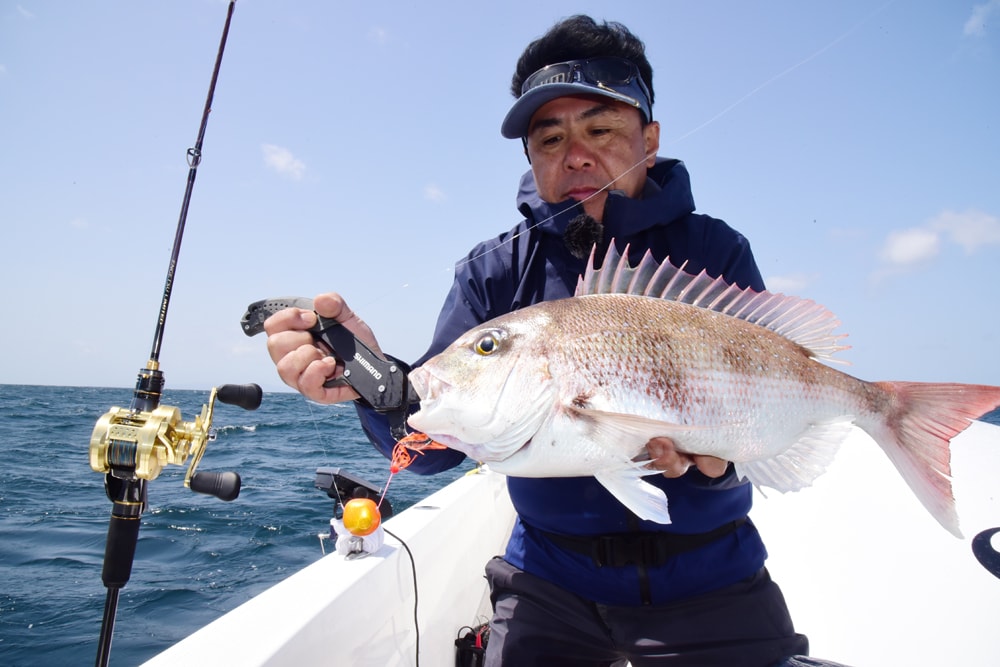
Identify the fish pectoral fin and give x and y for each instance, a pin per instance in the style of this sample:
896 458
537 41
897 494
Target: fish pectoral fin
613 426
645 500
798 466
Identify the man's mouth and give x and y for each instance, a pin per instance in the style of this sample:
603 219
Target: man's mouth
581 194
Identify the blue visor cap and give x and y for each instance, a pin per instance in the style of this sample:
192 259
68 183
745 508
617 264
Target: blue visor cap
616 78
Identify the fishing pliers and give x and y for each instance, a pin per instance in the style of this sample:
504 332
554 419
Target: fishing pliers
381 381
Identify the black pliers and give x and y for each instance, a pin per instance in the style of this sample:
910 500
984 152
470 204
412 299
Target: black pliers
381 382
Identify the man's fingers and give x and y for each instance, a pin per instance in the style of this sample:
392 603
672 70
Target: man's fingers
289 319
665 457
711 466
332 306
302 362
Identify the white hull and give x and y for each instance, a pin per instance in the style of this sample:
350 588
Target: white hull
863 566
361 612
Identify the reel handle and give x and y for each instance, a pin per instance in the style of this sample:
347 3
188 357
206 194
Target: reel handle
222 485
246 396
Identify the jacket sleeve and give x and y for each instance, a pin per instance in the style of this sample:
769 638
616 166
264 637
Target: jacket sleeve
723 251
461 311
742 267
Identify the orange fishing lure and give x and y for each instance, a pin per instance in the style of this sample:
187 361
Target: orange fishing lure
414 443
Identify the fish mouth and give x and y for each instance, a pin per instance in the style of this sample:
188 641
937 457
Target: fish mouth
436 413
427 385
469 424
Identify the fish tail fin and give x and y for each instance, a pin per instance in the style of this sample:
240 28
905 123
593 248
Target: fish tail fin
916 434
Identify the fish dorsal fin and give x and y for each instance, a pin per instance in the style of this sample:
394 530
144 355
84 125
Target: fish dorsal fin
802 321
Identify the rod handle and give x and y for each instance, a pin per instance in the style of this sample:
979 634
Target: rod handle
119 550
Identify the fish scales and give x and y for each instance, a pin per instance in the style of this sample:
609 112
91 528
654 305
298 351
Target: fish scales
658 359
579 386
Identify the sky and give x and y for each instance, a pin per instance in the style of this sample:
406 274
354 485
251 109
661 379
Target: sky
355 147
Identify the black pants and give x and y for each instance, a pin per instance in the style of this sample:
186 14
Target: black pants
536 623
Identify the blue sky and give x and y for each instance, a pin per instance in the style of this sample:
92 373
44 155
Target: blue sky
355 147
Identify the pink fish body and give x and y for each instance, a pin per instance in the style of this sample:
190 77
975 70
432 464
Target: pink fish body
578 386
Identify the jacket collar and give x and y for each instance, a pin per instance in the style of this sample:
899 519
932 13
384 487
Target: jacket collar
666 197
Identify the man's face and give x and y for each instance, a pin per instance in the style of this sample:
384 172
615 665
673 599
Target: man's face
580 144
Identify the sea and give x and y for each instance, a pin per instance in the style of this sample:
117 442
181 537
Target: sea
197 556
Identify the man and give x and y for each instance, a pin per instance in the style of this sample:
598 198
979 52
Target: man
583 580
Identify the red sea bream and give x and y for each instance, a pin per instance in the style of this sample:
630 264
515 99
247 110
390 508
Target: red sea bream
578 386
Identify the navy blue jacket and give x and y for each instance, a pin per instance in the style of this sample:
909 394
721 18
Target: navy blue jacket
529 264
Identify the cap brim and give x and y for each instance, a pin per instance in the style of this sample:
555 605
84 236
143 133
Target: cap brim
518 119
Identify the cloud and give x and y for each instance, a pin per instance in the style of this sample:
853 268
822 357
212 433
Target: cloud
434 193
975 26
909 247
282 161
24 13
79 223
378 35
795 283
970 229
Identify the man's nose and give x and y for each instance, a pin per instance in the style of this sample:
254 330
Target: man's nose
578 155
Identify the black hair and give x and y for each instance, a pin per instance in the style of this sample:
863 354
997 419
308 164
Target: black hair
582 37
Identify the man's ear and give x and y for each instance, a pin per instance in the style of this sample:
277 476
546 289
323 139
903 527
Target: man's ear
651 137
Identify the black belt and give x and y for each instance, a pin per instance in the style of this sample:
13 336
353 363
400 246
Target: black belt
649 549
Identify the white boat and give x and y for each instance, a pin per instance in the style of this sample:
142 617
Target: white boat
360 611
864 568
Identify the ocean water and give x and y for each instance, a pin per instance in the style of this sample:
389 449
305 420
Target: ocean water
197 556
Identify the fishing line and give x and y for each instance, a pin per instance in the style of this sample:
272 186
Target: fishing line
467 260
406 547
510 239
314 419
708 122
385 490
725 111
781 74
416 599
580 203
329 452
703 125
675 141
409 553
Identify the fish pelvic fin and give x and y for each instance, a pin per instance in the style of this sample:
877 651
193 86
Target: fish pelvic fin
642 498
802 321
798 466
916 435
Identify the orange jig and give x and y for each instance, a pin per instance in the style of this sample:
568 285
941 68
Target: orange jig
414 443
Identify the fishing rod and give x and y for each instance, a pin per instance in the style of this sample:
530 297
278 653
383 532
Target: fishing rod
132 445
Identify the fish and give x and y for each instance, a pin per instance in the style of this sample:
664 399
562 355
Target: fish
578 387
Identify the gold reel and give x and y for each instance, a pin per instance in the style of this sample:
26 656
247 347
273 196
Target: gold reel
136 444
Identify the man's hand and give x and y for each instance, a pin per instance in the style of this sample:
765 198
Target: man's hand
665 456
303 364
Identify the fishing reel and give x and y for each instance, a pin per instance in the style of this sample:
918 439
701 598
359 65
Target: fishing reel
134 444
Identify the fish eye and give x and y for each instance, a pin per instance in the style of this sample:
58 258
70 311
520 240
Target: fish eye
487 344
